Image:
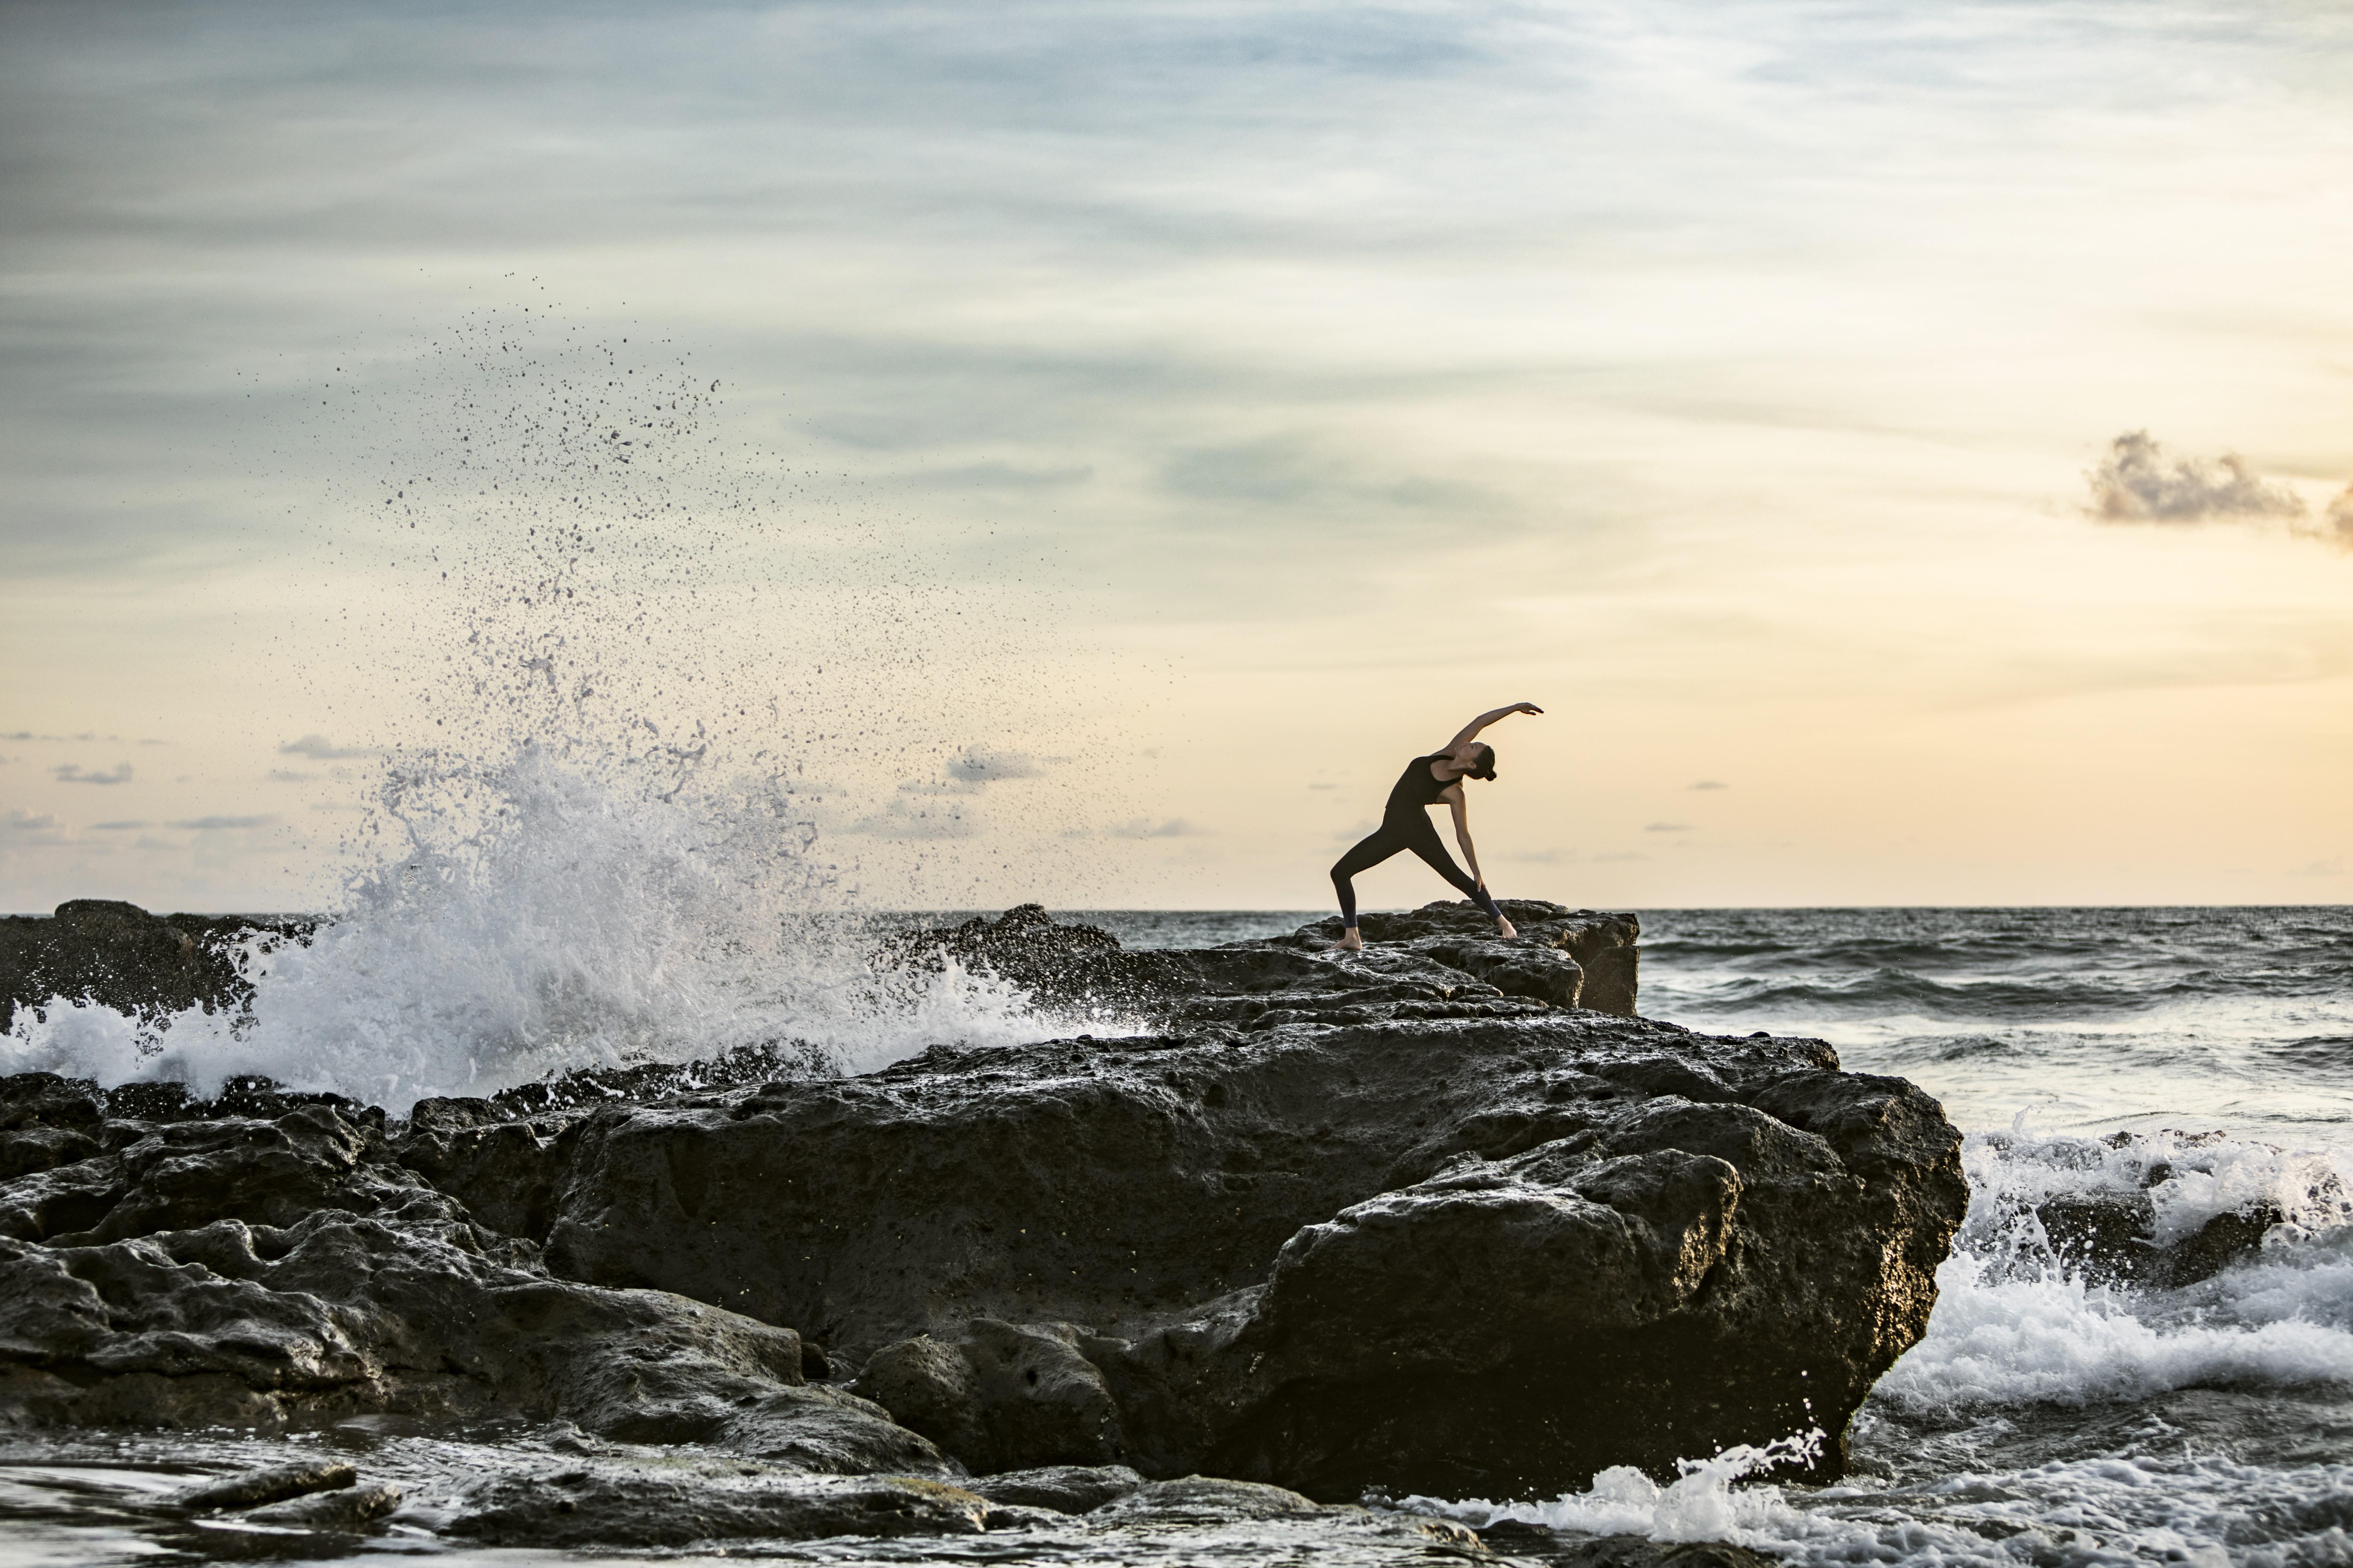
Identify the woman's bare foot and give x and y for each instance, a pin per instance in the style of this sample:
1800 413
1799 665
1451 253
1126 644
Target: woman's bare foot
1350 941
1503 929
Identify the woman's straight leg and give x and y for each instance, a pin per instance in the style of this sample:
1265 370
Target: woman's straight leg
1370 851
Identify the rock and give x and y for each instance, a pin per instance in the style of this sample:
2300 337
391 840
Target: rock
349 1511
2220 1242
97 949
249 1271
1065 1488
1473 1255
1402 1219
1527 1541
1202 1500
256 1488
1000 1398
614 1505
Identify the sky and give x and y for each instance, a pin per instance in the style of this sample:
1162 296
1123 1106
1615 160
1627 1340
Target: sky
1904 447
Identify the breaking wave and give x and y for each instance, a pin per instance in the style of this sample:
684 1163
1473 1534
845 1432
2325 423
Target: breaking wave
544 920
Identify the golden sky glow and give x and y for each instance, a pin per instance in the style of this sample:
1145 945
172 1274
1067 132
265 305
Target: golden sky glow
1215 406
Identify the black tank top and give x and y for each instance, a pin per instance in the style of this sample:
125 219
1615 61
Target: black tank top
1415 790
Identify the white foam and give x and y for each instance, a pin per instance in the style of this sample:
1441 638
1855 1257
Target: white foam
548 916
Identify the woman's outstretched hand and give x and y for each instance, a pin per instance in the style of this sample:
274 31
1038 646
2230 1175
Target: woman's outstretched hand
1524 708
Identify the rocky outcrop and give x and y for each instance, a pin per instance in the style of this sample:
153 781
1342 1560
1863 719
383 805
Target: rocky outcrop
1415 1219
1442 952
256 1269
97 950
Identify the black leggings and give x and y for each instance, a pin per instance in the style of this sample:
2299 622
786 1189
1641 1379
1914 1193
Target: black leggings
1413 833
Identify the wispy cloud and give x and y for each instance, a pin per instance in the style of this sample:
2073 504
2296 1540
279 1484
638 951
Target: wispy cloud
116 827
25 826
1667 827
221 823
319 749
1709 784
1145 827
73 772
289 775
2136 482
986 766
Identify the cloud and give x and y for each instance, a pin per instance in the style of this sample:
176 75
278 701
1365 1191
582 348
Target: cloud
25 825
2135 483
219 823
72 772
916 825
1709 783
288 775
1541 857
2340 515
116 827
337 805
319 749
1143 827
1668 827
986 766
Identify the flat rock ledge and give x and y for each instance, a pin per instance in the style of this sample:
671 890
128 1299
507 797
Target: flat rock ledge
1412 1221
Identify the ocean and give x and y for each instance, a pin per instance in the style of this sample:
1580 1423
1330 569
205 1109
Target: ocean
2198 1059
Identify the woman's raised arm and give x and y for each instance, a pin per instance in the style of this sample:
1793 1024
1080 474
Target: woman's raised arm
1470 731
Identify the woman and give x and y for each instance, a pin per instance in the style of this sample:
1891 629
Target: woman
1405 825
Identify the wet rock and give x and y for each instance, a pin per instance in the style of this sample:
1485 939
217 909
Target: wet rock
256 1488
349 1511
2222 1241
97 950
1203 1499
1526 1542
614 1505
1064 1489
2109 1237
335 1281
1340 1221
1447 1255
1001 1396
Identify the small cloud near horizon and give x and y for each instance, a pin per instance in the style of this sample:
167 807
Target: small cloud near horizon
221 823
319 749
73 772
1708 784
117 826
2136 482
984 765
289 775
1668 827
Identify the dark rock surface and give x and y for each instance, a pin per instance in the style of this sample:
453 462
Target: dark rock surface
97 950
259 1270
608 1505
1441 953
1412 1218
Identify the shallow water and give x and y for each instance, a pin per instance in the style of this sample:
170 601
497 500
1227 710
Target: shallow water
2045 1419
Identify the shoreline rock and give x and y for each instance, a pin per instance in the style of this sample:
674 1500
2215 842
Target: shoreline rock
1409 1219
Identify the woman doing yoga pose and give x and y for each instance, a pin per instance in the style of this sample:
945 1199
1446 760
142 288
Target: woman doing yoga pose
1405 824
